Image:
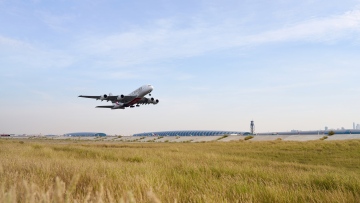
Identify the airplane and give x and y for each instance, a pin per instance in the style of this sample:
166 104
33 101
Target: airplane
136 97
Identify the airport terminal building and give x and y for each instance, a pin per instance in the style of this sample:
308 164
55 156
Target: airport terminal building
314 132
85 134
191 133
220 133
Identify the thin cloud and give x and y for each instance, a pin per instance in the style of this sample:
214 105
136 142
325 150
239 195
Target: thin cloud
29 56
184 77
119 75
7 43
56 22
278 88
166 41
333 28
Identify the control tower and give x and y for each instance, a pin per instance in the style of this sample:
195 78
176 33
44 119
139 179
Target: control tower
252 128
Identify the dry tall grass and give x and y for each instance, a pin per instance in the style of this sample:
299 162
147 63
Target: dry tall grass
71 171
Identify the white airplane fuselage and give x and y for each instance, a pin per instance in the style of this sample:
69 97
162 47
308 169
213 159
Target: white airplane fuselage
139 93
137 97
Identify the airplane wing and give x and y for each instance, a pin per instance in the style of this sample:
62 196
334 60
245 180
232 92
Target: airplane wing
122 99
92 97
126 99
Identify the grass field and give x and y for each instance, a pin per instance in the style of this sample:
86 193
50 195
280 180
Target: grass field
278 171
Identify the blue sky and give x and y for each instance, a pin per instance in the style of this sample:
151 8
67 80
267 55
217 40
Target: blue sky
215 65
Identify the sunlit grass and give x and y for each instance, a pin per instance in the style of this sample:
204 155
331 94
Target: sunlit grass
277 171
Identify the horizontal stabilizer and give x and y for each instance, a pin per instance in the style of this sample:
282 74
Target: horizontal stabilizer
105 106
110 107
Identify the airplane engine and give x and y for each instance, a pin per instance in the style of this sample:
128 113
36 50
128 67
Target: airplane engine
154 101
120 97
102 97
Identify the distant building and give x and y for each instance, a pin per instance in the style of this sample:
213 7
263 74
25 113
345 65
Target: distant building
313 132
191 133
326 128
358 126
354 126
85 134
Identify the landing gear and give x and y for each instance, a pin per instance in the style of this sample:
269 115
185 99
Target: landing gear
149 94
138 105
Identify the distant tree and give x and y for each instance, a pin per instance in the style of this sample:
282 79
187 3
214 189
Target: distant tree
331 132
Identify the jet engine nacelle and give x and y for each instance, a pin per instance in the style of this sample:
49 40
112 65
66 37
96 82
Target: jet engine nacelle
102 97
154 101
120 97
